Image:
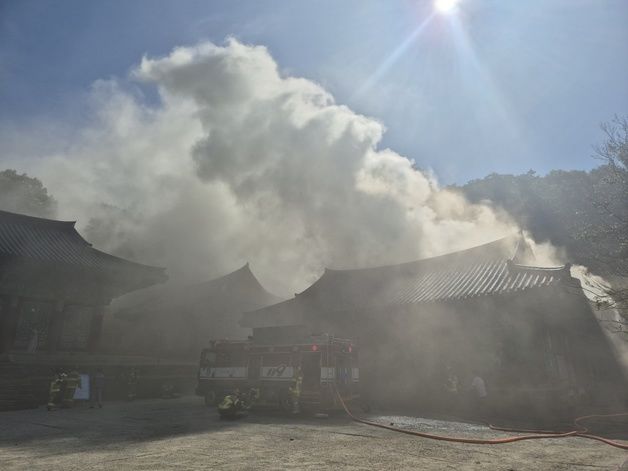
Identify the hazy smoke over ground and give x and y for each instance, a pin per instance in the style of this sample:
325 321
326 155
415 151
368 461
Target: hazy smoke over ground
236 162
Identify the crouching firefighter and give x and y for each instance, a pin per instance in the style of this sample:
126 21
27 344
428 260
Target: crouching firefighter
237 404
231 406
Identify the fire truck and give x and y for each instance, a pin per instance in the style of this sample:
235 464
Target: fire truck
325 364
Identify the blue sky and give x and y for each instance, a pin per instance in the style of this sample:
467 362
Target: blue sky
501 86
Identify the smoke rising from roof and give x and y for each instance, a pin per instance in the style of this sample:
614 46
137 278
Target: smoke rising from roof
238 162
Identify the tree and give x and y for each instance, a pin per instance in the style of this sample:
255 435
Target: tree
20 193
611 200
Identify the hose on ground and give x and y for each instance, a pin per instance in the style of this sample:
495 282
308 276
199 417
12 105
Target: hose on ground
531 434
579 428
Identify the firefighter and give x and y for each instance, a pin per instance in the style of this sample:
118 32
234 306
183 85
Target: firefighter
72 382
452 387
253 397
231 405
451 382
54 395
295 391
249 399
98 382
132 384
479 396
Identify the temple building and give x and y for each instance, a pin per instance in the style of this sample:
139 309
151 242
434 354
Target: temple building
54 289
179 321
528 330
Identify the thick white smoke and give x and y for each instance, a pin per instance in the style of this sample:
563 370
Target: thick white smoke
614 325
236 162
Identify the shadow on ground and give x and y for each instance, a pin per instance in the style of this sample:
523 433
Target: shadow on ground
127 424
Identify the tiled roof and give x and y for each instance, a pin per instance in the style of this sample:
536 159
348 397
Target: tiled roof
480 279
490 269
45 240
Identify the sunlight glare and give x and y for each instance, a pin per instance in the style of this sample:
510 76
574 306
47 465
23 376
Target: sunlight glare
445 7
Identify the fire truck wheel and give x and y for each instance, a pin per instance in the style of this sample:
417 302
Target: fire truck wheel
210 398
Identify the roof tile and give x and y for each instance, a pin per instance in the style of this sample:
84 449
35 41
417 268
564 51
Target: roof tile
56 241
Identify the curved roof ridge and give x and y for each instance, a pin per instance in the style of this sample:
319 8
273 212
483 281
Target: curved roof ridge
25 218
435 257
401 267
68 226
517 246
247 268
244 270
534 267
109 256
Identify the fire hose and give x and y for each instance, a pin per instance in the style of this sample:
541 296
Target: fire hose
531 434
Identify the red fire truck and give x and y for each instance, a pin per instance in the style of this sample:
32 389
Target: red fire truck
326 364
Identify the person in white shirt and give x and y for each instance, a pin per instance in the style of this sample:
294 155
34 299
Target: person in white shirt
479 395
479 387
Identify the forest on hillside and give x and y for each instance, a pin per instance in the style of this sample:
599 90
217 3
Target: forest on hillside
560 207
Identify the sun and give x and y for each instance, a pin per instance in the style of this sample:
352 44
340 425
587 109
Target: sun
446 7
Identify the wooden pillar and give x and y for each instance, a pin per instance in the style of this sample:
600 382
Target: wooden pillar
95 331
55 328
9 318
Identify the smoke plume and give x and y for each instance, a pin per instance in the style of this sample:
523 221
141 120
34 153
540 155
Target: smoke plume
235 161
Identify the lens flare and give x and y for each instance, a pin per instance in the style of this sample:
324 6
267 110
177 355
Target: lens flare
446 7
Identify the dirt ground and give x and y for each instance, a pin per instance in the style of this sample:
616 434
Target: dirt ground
183 434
